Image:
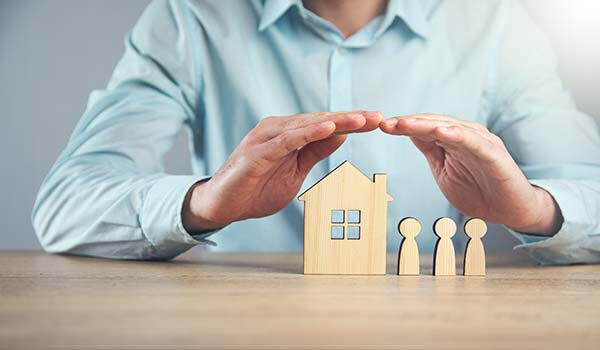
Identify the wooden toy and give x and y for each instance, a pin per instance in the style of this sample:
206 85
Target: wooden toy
444 259
474 264
408 254
345 219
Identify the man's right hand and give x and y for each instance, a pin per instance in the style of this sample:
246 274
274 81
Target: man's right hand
266 170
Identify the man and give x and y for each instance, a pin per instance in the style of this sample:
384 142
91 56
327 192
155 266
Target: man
472 84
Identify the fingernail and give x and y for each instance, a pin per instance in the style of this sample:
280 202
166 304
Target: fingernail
390 123
373 114
410 120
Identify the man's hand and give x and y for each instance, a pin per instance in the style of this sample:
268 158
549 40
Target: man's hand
477 174
266 170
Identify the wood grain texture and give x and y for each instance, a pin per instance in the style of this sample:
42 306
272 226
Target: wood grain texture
346 188
225 300
474 264
408 254
444 261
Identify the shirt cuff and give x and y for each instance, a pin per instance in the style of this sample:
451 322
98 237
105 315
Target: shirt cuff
564 246
160 218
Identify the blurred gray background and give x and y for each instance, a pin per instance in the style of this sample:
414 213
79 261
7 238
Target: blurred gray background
53 53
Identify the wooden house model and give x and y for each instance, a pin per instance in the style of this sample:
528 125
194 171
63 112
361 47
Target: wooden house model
345 219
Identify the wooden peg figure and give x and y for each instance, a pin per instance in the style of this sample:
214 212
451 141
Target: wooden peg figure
474 264
408 254
444 259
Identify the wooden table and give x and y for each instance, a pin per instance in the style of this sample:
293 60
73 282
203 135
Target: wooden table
226 300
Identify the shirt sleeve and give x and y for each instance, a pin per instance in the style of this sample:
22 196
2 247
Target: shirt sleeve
556 146
107 194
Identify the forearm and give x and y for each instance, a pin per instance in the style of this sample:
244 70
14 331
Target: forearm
89 207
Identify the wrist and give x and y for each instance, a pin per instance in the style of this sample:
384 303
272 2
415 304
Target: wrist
546 219
194 215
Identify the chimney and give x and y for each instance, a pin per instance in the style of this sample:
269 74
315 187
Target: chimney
380 183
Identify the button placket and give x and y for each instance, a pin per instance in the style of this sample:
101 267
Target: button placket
340 96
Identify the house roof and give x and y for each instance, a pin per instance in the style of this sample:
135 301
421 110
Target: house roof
346 164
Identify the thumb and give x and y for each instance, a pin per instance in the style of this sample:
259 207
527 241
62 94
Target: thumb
314 152
434 154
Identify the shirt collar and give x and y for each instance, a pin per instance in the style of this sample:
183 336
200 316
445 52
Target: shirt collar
273 10
411 12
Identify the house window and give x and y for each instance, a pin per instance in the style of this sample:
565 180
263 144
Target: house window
353 232
345 224
337 216
337 232
354 216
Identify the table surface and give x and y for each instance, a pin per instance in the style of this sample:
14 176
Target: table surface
262 300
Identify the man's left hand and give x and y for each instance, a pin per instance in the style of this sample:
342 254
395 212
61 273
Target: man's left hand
477 174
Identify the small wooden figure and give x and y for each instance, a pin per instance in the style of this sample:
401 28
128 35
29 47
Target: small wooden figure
408 255
474 264
444 259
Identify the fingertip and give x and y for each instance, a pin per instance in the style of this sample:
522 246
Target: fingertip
378 116
358 119
388 126
389 123
401 123
327 125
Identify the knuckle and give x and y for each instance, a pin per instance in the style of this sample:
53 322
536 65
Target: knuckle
267 121
459 133
292 124
286 141
496 139
457 129
479 126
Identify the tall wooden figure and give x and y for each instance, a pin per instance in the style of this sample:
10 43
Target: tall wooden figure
408 255
444 259
474 264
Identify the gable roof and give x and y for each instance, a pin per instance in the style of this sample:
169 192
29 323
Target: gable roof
345 165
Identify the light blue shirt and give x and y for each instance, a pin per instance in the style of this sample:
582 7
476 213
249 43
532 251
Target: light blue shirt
216 68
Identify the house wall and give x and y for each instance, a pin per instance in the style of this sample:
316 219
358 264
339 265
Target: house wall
346 188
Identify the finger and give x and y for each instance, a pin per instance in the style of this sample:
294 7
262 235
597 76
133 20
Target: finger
313 153
291 140
461 138
390 122
422 127
453 135
345 122
450 119
372 120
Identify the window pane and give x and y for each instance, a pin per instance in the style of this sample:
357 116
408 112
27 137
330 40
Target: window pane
353 232
354 216
337 232
337 216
